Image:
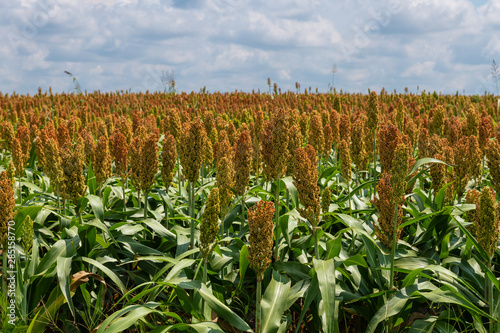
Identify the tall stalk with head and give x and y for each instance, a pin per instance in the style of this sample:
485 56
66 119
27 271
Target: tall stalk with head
7 205
305 179
191 158
21 146
168 159
260 222
149 166
487 234
346 171
373 115
242 166
280 138
120 150
103 164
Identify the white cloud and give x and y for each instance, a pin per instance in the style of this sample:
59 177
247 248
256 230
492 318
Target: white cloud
236 44
419 69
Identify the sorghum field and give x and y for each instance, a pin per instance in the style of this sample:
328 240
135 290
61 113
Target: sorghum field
240 212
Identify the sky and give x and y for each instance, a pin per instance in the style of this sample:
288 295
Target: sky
226 45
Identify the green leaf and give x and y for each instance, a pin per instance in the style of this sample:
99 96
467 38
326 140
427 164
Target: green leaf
421 162
391 308
453 297
274 302
325 273
63 274
97 207
116 323
243 264
202 327
91 180
112 275
439 199
223 310
312 292
61 248
160 229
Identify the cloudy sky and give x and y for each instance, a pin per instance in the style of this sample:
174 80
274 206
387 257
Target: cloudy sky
226 45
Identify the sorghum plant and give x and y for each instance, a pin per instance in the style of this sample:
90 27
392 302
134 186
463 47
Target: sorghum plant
103 164
493 161
209 228
305 179
260 222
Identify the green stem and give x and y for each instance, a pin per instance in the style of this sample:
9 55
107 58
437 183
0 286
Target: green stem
258 301
489 296
165 208
4 270
242 212
191 211
315 238
287 198
145 204
394 245
124 200
277 216
58 202
349 198
179 173
203 307
374 188
20 193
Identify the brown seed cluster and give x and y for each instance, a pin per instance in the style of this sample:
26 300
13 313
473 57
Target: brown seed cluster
8 134
191 154
280 137
358 147
438 173
345 158
73 180
209 226
389 139
326 199
328 134
316 137
296 141
305 179
242 161
473 197
385 204
373 112
149 162
168 159
103 163
399 171
437 120
260 223
487 226
225 181
120 152
7 205
423 143
493 161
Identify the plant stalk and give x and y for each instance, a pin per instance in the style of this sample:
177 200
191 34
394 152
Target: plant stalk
374 188
191 211
277 216
124 209
258 301
145 204
315 238
394 244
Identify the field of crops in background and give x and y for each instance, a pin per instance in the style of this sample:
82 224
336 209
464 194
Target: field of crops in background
240 212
